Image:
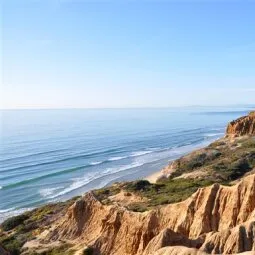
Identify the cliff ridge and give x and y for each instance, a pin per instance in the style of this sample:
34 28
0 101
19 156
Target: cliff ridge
242 126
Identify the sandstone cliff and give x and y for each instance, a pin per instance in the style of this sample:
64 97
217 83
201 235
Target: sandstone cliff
242 126
215 219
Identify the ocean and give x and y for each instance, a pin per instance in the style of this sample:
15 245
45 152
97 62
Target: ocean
53 155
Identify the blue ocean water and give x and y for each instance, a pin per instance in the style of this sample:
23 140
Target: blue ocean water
49 155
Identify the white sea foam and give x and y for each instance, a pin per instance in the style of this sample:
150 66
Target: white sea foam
96 163
213 134
48 191
215 129
140 153
117 158
77 183
80 182
1 187
6 210
133 154
113 170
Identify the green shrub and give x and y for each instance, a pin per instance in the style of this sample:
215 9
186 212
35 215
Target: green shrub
168 191
238 168
60 250
12 244
13 222
138 185
103 193
137 207
249 144
217 143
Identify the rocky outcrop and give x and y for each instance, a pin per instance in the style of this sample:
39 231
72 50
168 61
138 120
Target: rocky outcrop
215 219
179 250
242 126
238 239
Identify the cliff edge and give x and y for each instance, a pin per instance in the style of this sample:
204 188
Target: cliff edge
242 126
214 220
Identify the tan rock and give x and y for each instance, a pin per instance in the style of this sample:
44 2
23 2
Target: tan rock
242 126
215 218
179 250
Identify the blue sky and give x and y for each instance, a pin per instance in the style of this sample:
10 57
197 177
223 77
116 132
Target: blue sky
63 53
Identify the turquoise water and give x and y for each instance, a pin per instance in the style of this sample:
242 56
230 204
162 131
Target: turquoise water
49 155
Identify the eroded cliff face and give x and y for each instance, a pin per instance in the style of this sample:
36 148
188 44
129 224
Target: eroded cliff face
242 126
215 219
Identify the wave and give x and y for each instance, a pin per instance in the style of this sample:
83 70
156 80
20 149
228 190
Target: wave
7 210
134 154
69 170
213 134
31 155
216 129
80 182
88 155
141 153
96 163
48 191
117 158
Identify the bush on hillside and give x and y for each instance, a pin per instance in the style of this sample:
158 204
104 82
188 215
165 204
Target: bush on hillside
13 222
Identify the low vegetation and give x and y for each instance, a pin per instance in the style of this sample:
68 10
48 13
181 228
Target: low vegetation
17 230
221 162
166 192
13 222
59 250
104 193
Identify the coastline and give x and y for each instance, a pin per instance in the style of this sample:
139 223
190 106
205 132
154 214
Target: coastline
48 170
149 171
201 182
154 177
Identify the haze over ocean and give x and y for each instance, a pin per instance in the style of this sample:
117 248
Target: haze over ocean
49 155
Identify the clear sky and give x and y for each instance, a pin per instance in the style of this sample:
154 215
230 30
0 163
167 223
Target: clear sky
80 53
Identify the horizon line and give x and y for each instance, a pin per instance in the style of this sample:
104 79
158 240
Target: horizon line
131 107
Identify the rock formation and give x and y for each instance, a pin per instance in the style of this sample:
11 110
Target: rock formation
242 126
216 219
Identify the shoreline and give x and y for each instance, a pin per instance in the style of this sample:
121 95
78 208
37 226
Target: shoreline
149 171
154 177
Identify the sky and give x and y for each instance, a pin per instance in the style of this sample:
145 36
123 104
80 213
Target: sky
107 54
